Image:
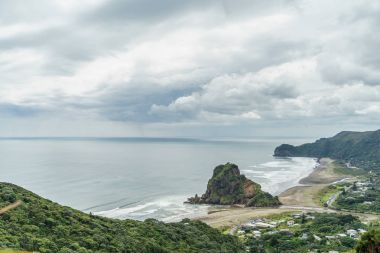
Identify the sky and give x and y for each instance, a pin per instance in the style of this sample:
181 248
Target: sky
213 69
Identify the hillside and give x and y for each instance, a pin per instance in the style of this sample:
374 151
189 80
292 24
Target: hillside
227 187
40 225
361 149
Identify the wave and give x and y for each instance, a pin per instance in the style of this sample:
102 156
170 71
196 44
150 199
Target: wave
170 208
282 173
275 177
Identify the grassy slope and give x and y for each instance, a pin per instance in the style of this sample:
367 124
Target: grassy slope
41 225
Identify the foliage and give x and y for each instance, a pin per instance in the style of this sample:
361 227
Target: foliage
369 242
263 199
361 149
41 225
292 241
361 200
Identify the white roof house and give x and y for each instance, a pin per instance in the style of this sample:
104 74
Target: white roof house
352 233
256 233
264 225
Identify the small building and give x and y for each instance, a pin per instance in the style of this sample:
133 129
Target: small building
316 237
290 223
272 232
352 233
273 223
256 233
362 231
304 236
263 225
286 232
331 237
240 232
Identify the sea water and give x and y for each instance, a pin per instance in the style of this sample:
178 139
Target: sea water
140 178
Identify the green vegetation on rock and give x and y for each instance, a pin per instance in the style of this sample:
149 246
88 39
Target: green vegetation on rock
360 149
227 187
43 226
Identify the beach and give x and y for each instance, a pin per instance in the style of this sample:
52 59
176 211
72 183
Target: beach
298 198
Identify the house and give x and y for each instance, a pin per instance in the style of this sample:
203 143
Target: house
263 225
290 223
273 223
286 232
256 233
304 236
310 217
272 232
316 237
240 232
352 233
331 237
362 231
342 235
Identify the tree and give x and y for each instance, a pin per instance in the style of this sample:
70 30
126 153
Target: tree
370 242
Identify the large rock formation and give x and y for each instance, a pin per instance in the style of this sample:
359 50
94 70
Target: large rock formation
228 187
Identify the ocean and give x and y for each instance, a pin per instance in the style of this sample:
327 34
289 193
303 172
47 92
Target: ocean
140 178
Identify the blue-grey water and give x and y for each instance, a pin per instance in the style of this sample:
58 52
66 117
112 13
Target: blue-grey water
139 178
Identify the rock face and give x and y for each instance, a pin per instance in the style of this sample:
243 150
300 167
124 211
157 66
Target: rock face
227 187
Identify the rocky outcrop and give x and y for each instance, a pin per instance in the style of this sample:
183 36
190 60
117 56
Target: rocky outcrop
227 187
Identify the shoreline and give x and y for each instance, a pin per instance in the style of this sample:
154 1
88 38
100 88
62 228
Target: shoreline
296 198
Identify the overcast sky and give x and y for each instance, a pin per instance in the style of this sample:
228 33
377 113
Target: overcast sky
227 68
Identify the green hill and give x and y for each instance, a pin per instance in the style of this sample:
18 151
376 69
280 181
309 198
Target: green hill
361 149
40 225
227 187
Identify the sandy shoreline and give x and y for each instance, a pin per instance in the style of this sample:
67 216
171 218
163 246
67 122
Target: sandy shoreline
322 174
298 198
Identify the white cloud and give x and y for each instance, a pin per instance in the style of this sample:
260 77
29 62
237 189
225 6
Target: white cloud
239 62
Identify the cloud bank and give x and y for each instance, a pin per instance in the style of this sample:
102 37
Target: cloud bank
113 67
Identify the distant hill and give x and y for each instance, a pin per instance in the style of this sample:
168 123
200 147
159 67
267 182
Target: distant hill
40 225
361 149
227 187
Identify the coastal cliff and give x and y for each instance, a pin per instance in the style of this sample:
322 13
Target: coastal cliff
360 149
227 187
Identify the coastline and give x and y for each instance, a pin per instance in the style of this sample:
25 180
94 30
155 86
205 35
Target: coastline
297 198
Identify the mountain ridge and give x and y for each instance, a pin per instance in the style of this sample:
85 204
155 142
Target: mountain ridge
360 149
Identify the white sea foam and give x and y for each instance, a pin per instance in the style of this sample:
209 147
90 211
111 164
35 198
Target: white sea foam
275 177
282 173
170 208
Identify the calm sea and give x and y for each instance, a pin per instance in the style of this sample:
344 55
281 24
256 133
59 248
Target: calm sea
139 178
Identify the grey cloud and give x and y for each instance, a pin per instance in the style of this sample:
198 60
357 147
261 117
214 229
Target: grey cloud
220 74
19 11
129 11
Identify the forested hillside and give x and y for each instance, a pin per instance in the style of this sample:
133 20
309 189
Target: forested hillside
361 149
37 224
